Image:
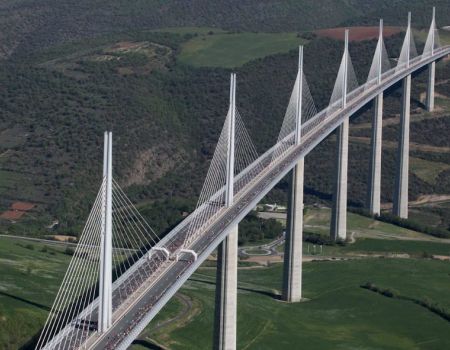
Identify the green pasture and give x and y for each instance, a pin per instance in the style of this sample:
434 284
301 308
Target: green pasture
230 50
338 313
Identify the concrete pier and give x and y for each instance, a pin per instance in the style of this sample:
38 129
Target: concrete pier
400 207
430 90
338 229
293 248
374 184
226 293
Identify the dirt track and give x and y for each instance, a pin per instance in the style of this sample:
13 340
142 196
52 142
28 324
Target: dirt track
412 145
423 199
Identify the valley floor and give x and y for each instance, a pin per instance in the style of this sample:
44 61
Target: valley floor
337 313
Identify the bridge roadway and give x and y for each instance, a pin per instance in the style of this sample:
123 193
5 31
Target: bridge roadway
155 291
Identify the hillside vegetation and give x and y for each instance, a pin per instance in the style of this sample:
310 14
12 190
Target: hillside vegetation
166 117
166 108
31 25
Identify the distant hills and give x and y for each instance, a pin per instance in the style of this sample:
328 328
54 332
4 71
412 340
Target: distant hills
31 25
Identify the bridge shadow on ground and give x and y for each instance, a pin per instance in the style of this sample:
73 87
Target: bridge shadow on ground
147 344
252 290
40 306
329 197
31 343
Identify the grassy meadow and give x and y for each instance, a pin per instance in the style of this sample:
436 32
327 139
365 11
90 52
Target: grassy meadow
338 313
31 274
229 50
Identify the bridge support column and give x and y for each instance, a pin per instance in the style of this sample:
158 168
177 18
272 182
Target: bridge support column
430 90
339 209
226 293
400 207
293 248
374 184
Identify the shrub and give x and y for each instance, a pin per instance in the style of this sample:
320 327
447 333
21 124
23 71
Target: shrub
69 251
413 225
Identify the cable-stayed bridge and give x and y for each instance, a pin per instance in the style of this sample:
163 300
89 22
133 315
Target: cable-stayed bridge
122 273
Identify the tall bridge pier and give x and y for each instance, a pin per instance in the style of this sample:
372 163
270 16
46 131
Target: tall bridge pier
339 208
293 249
227 259
374 184
400 206
430 89
431 66
226 293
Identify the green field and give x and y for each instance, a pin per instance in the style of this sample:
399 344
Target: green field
30 277
444 36
32 272
339 314
426 170
318 221
370 247
230 50
393 246
191 30
212 47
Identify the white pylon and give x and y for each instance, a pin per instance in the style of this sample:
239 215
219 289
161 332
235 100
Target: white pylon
298 116
105 297
433 32
231 132
380 53
408 52
430 43
407 46
345 77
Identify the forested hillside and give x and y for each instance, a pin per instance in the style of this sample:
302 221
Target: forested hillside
56 101
30 25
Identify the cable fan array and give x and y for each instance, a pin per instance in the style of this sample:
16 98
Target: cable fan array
286 137
74 314
212 195
351 83
408 51
433 41
380 64
408 55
